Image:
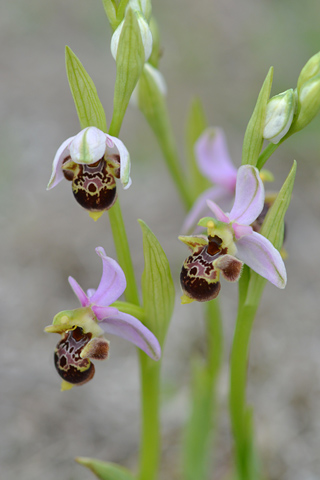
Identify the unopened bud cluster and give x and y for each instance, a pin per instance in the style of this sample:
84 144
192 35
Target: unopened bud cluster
292 110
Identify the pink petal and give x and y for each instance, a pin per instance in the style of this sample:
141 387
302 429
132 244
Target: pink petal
112 283
200 207
218 213
260 255
131 329
84 300
60 156
214 160
249 198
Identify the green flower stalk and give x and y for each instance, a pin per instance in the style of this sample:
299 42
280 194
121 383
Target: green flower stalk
251 287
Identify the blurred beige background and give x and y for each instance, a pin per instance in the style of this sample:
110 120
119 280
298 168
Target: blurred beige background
221 51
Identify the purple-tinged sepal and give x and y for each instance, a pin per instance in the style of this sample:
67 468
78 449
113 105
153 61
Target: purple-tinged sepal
214 160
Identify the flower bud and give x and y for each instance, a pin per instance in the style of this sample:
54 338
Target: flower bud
145 34
279 115
308 103
310 70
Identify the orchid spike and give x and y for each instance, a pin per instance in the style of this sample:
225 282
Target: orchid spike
231 241
84 327
92 160
253 249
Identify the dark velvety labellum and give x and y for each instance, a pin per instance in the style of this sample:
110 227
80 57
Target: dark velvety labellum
198 288
199 279
94 186
70 366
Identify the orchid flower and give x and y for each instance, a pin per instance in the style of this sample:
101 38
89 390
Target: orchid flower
231 241
82 329
91 160
214 163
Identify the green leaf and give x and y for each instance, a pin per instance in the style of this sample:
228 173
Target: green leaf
130 58
253 138
272 227
106 470
157 285
195 126
89 108
121 10
111 11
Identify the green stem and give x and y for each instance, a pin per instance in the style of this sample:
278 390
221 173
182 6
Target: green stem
250 291
150 429
197 446
214 338
238 374
155 110
169 150
123 252
266 154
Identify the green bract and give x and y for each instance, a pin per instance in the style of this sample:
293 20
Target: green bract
157 285
115 11
89 108
105 470
308 104
273 229
129 51
253 137
310 70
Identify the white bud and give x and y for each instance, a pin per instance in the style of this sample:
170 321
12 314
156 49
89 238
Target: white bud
145 32
279 115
